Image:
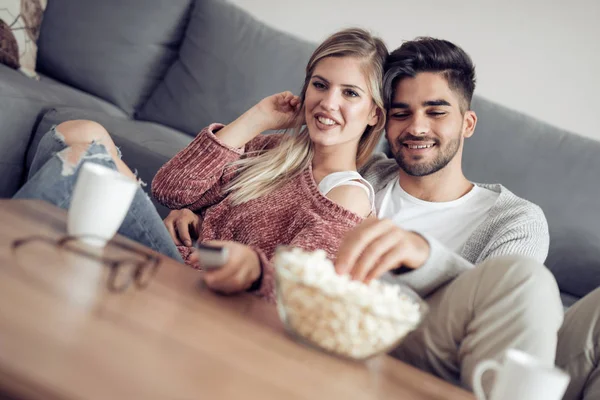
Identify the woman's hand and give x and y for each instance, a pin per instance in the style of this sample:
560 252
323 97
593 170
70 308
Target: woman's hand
238 274
278 111
184 226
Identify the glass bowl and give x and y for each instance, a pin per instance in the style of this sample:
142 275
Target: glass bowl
342 317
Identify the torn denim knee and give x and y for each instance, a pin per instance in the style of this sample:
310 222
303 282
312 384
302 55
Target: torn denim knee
95 151
57 135
139 180
60 138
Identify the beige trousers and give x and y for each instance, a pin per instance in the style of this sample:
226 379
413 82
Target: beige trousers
505 302
577 351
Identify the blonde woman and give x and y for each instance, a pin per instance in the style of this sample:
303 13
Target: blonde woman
251 192
265 190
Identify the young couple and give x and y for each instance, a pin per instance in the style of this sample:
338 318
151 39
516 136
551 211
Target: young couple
474 252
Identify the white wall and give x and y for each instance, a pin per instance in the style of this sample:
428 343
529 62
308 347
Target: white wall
539 57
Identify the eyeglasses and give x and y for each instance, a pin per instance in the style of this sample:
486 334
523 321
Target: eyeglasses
124 272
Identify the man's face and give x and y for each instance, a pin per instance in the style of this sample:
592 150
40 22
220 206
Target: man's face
425 125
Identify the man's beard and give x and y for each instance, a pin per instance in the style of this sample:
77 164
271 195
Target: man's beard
415 168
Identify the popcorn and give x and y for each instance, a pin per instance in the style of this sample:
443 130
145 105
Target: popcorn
338 314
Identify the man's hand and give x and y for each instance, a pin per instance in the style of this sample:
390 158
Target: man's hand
183 226
377 246
240 272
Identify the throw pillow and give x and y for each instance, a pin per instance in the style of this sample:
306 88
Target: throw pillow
227 62
20 22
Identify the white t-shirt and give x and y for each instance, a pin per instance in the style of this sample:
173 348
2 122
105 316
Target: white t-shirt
352 178
451 223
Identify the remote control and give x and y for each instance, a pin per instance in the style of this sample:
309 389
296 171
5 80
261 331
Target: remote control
212 257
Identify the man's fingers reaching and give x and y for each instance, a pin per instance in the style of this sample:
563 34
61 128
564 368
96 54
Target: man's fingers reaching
357 240
370 256
390 260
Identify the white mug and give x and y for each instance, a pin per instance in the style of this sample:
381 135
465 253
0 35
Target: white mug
99 203
521 377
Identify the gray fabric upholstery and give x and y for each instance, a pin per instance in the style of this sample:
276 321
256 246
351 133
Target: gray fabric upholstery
146 146
69 96
117 50
22 103
568 300
227 62
553 168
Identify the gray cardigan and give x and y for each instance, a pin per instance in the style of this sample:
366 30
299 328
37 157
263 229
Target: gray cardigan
513 226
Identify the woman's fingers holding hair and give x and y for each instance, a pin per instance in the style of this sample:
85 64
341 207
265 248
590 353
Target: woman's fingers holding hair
288 101
295 102
283 98
292 99
276 112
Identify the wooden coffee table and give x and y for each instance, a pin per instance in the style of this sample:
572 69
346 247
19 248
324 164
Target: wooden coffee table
65 335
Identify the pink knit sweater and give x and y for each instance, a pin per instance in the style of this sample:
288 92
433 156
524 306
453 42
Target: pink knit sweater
296 214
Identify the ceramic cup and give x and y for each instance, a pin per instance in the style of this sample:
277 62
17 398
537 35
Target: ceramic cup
521 377
99 204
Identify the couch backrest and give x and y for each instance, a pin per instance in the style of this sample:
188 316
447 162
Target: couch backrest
555 169
228 62
115 49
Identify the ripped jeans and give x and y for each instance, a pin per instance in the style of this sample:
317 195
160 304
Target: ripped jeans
52 178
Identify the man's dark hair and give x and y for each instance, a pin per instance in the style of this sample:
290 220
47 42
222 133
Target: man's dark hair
426 54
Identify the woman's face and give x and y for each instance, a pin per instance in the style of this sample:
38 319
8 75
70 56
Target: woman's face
338 104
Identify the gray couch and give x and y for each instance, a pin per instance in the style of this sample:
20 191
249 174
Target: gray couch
154 72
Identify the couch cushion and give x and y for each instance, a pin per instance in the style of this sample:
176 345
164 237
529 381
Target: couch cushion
22 103
553 168
117 50
228 61
146 146
70 96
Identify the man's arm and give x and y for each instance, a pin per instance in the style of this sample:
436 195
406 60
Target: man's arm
523 230
378 247
441 266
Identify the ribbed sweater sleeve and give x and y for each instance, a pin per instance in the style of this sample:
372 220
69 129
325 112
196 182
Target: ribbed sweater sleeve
519 228
196 176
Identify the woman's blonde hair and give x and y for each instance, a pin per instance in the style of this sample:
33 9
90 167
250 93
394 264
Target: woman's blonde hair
265 171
